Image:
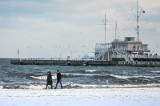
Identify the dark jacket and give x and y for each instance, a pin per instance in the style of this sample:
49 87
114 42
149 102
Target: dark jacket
59 76
49 76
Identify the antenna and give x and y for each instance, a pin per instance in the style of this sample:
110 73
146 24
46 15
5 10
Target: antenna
116 30
17 52
105 23
138 14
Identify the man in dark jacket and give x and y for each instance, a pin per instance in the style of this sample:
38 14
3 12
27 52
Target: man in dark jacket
59 77
49 79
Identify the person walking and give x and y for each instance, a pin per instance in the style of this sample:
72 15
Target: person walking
59 77
49 79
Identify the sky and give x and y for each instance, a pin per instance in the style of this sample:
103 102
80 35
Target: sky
61 28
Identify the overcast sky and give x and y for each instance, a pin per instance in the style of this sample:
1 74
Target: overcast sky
60 28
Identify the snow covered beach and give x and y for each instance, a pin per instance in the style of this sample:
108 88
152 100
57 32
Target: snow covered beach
81 97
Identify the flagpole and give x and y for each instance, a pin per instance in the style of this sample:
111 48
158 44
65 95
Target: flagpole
18 53
138 16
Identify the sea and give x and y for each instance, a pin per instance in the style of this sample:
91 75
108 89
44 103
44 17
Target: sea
77 77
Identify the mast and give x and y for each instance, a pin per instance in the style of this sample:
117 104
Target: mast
18 53
105 23
138 14
116 30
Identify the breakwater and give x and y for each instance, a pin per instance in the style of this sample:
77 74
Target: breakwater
140 63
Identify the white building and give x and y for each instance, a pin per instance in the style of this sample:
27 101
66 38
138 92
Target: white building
126 49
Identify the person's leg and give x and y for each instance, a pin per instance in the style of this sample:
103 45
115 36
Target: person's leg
46 86
61 84
51 85
56 84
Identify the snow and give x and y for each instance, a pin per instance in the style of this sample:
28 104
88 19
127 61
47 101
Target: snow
81 97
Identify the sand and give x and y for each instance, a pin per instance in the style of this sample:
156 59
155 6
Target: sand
81 97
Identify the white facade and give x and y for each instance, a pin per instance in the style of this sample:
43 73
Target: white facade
124 49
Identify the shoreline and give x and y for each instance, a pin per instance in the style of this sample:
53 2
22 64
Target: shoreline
81 97
80 86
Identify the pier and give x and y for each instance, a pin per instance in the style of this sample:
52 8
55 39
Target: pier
137 63
61 62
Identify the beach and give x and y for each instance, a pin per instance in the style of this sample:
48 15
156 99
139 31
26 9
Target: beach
23 85
81 97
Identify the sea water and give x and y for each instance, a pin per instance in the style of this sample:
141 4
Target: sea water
34 76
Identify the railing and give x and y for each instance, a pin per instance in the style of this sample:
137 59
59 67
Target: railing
128 58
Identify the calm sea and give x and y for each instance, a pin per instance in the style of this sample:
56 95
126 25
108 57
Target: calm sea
34 76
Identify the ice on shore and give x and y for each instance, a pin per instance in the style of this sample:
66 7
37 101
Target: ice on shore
81 97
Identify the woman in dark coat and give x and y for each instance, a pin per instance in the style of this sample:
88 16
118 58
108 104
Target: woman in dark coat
49 79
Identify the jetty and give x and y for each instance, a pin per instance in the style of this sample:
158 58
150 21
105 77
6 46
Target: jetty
150 62
35 61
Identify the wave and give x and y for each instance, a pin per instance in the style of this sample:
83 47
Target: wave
23 87
13 87
94 75
42 77
5 81
70 75
84 71
67 75
120 76
158 71
90 71
150 77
